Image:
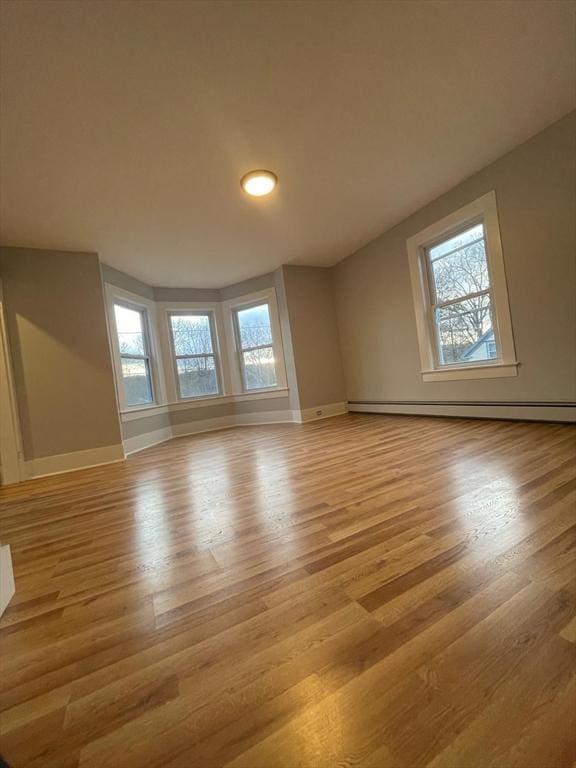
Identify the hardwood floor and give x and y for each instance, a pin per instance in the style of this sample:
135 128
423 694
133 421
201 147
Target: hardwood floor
386 592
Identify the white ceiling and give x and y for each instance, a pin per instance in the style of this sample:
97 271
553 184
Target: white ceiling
126 126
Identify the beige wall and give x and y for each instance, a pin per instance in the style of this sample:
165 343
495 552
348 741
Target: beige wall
536 196
312 318
59 347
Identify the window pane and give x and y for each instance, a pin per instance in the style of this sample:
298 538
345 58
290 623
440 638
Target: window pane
460 272
457 241
259 368
130 330
191 334
137 385
254 326
197 376
465 331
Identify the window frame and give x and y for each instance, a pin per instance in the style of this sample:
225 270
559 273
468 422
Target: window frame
215 352
242 350
231 308
146 357
147 308
434 304
483 210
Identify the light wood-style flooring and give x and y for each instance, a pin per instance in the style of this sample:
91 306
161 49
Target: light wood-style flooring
376 591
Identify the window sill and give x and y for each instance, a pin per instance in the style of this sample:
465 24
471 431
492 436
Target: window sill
199 402
495 371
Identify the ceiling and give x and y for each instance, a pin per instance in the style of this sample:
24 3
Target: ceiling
126 126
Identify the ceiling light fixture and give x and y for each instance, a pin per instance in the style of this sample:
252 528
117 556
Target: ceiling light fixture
259 183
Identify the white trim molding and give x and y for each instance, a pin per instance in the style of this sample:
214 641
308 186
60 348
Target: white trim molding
7 586
11 461
485 371
483 210
68 462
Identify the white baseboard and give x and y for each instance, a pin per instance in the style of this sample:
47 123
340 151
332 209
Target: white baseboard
7 588
320 412
520 411
68 462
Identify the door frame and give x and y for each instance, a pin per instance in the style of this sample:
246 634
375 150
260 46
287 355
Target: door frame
12 468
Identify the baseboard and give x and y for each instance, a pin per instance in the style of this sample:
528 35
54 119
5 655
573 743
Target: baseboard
7 588
521 411
68 462
320 412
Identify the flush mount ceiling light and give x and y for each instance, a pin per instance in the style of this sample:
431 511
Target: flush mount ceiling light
259 183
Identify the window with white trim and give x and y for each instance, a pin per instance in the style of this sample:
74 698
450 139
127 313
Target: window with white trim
460 296
256 346
133 338
194 352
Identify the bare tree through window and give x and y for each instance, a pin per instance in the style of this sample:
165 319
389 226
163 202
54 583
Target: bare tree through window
194 353
254 332
462 308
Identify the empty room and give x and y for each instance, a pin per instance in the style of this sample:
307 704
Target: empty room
288 384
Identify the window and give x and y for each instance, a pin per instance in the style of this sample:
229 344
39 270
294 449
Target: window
256 347
460 296
134 349
193 336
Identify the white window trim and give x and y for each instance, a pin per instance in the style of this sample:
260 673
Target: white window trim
483 209
148 307
230 307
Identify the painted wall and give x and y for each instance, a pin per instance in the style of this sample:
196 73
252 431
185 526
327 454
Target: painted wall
59 347
312 318
536 196
178 419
